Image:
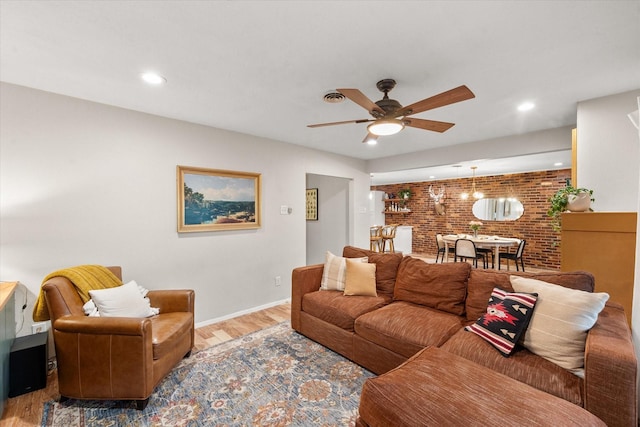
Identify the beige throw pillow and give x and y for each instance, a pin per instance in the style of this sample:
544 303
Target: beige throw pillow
560 322
334 273
360 278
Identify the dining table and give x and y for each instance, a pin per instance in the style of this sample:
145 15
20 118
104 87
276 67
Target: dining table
482 241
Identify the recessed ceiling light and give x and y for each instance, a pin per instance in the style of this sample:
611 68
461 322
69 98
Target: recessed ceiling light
432 176
526 106
153 78
372 141
557 164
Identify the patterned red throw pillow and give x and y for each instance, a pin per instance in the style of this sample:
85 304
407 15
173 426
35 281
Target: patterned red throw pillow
506 319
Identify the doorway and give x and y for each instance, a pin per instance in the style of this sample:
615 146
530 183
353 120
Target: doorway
331 231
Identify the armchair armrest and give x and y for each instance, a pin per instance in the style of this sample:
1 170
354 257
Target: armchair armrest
174 300
104 358
103 325
610 390
303 281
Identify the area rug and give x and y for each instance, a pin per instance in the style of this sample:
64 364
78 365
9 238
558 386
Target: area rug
272 377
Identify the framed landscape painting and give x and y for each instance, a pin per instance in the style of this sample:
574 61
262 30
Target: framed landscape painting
217 200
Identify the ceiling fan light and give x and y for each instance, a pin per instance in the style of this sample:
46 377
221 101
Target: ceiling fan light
385 127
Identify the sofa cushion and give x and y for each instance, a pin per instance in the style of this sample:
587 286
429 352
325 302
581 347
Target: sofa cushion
560 322
482 282
506 319
361 279
436 388
167 329
522 365
439 286
406 328
386 267
334 272
340 310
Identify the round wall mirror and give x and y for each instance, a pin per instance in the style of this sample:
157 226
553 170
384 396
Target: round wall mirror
497 209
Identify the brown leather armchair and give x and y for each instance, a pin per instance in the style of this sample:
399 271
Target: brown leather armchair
117 358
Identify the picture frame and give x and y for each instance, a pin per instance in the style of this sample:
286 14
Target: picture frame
312 204
217 200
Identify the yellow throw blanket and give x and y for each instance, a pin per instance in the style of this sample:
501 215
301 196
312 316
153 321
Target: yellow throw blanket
84 278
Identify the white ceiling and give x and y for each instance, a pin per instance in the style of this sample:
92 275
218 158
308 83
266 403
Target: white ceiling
262 67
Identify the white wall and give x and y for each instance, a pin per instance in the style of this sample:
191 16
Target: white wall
86 183
608 151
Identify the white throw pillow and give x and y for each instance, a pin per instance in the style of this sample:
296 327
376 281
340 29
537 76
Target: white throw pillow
335 272
122 301
560 322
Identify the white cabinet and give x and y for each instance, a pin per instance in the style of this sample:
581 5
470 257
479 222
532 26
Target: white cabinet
404 239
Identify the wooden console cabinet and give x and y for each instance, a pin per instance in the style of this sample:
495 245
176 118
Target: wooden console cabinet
602 243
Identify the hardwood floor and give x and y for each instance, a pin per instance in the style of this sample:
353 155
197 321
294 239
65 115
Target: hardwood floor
26 410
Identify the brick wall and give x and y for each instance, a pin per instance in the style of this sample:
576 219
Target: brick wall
532 189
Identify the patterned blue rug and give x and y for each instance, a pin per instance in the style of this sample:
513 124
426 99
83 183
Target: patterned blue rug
273 377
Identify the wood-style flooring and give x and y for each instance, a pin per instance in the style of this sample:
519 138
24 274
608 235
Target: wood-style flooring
26 410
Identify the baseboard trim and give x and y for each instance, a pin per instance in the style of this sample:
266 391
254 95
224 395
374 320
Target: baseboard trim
241 313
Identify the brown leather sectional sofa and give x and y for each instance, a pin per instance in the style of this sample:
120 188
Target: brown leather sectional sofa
381 333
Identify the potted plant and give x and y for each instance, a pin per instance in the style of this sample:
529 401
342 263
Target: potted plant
404 194
569 199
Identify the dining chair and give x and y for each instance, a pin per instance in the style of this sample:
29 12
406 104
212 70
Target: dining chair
466 249
375 238
517 255
487 252
442 248
388 234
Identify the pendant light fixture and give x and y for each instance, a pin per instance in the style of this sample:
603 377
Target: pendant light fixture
474 192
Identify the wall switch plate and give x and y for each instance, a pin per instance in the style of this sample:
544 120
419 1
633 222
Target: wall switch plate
277 280
284 210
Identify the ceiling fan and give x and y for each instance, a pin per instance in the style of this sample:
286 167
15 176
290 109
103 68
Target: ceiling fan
390 117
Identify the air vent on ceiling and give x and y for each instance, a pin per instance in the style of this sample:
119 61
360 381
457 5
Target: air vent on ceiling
333 97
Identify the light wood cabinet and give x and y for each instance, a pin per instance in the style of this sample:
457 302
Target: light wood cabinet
604 244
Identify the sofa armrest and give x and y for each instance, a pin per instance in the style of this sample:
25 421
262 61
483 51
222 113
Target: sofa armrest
172 301
610 388
303 281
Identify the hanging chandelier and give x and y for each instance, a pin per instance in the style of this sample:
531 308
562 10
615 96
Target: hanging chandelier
474 192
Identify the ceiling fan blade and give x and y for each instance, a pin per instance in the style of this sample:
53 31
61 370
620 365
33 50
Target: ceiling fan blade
428 124
370 138
361 99
340 123
461 93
